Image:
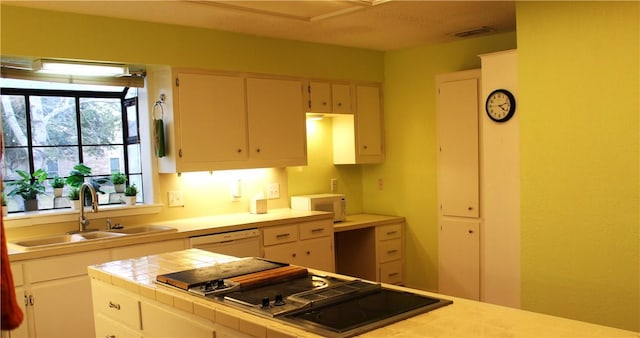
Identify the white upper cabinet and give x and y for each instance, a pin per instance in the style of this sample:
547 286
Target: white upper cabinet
277 130
326 97
219 121
457 125
211 125
359 137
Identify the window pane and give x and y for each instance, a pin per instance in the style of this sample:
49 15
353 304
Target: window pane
99 158
63 157
132 123
14 120
101 121
135 166
14 158
53 120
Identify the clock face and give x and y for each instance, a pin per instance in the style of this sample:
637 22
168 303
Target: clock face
501 105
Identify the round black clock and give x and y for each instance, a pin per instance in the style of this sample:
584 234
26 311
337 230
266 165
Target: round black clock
501 105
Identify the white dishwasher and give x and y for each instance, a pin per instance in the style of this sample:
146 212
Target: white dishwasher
241 243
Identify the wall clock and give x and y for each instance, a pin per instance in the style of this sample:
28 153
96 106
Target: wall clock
500 105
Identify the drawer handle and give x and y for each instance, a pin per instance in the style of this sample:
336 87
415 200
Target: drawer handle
389 233
110 336
283 235
393 274
317 230
114 305
392 251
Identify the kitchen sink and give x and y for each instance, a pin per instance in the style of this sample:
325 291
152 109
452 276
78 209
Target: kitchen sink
145 229
55 240
83 237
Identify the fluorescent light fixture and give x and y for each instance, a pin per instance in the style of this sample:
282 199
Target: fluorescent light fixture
79 68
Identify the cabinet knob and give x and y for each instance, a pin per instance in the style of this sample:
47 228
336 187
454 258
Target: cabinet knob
364 147
339 104
470 208
324 103
257 150
239 150
470 231
114 305
293 255
308 253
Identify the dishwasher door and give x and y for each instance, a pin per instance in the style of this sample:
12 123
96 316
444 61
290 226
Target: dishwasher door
242 243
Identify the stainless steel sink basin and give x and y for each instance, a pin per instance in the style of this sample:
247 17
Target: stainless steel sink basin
65 239
145 229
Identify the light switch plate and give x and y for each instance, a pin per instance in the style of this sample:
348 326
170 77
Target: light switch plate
176 198
273 191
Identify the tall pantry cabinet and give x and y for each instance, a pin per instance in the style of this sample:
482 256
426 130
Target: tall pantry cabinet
459 222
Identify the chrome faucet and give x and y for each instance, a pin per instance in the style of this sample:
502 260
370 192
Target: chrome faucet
94 205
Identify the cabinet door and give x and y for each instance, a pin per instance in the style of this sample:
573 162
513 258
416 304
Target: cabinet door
106 327
277 133
212 120
319 97
369 123
317 253
457 124
285 253
23 330
63 308
160 321
341 98
459 259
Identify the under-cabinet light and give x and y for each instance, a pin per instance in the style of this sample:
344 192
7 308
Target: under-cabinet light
80 68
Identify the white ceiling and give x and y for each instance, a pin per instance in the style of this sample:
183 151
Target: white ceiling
372 24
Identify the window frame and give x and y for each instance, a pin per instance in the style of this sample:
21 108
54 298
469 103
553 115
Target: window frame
77 95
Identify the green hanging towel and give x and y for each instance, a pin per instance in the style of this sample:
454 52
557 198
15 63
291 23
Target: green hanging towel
159 138
158 129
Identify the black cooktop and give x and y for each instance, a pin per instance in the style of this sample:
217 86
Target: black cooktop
364 312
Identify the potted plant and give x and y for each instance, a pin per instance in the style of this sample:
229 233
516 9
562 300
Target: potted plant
57 184
130 193
5 209
29 187
76 179
74 196
118 179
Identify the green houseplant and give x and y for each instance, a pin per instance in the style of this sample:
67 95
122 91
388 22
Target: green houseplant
130 194
57 184
118 179
29 186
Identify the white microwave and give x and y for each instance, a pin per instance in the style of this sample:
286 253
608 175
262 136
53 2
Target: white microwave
335 203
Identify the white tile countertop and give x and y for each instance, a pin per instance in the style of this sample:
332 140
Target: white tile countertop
463 318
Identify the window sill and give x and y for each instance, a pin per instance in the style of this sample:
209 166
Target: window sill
30 218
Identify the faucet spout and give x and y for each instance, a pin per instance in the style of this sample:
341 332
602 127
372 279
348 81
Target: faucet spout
94 205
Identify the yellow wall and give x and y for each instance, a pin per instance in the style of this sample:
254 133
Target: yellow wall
409 172
580 148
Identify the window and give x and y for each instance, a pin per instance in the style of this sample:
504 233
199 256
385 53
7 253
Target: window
53 126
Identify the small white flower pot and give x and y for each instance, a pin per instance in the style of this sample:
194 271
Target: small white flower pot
57 192
129 200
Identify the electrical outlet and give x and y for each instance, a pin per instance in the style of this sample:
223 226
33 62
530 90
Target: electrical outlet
273 191
334 185
176 198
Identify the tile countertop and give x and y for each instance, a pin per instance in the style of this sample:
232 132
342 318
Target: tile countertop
463 318
189 227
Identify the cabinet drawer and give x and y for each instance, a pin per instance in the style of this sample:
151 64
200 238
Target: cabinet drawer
391 272
106 327
315 229
389 250
280 234
390 231
116 305
63 266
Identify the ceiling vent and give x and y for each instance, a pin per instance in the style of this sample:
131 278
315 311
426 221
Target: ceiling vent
473 31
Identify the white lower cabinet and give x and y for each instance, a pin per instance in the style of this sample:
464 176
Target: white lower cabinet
309 244
459 258
373 253
57 295
161 321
